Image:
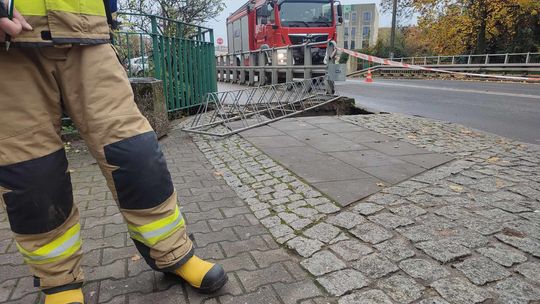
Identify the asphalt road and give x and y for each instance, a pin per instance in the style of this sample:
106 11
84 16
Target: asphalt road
508 109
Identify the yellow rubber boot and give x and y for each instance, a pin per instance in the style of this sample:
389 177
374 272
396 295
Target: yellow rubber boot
74 296
206 277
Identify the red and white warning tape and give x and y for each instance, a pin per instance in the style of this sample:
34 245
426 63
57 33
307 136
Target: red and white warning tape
417 67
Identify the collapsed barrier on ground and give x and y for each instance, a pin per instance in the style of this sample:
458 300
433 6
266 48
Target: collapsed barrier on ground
226 113
389 62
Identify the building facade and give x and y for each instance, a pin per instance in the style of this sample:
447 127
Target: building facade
360 26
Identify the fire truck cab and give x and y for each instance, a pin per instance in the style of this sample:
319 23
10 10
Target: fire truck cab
261 24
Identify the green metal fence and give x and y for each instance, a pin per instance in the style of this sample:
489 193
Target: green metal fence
181 55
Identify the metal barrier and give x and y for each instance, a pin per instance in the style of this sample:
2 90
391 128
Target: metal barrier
180 54
231 112
484 59
271 65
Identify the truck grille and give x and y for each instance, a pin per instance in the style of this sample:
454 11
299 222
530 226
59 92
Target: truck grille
303 38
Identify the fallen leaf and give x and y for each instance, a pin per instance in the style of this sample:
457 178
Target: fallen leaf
135 258
456 188
218 174
381 185
492 159
499 183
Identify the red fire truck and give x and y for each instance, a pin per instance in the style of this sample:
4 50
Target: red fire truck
261 24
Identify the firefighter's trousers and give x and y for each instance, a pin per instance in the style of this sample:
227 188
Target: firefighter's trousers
91 86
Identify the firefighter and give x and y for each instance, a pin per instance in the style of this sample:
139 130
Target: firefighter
61 60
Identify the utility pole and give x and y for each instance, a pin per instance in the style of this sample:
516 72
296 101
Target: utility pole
393 30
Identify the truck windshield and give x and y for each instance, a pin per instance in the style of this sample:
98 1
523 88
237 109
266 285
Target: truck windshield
305 14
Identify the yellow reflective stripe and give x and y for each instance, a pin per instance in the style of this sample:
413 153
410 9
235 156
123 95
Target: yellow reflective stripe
62 247
40 8
150 234
31 7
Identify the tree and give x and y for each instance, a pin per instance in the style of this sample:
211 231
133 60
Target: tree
187 11
475 26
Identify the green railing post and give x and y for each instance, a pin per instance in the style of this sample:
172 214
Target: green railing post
155 47
185 65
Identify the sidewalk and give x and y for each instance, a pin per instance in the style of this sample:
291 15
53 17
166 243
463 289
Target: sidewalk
467 231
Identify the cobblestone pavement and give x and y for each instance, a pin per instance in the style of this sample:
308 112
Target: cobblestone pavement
225 230
465 232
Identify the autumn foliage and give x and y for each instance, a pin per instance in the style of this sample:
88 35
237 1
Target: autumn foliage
472 26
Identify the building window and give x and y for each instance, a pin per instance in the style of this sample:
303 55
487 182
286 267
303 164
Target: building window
353 44
347 17
365 32
346 32
353 17
353 32
346 44
367 17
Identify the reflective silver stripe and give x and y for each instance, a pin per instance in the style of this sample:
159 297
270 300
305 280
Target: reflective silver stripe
152 234
58 251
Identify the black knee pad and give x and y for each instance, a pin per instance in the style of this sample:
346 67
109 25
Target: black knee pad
142 180
40 197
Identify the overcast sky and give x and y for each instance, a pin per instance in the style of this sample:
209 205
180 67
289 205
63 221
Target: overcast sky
220 29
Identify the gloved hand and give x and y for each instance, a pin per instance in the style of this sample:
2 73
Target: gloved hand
12 27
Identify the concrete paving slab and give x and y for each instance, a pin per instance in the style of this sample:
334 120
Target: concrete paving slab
396 148
365 136
427 161
367 158
289 125
276 142
334 144
347 192
262 131
288 155
318 120
341 126
326 170
395 173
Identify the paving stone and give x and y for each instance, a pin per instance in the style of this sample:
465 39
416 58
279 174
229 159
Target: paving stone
266 258
497 215
481 270
6 288
281 231
389 220
375 266
367 208
306 212
514 290
323 232
351 250
327 208
301 224
425 270
232 248
252 280
141 283
410 211
460 291
264 294
530 270
434 300
395 249
443 251
528 245
203 239
402 289
293 292
371 233
322 262
343 281
367 297
503 255
346 220
304 246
